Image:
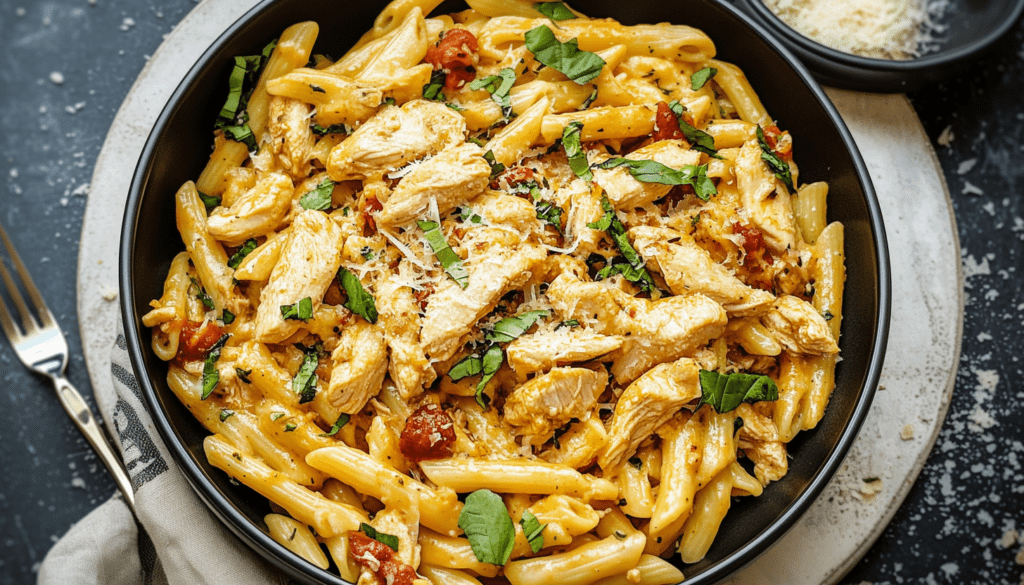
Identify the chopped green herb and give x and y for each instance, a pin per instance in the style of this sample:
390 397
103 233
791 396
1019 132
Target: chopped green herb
554 11
737 423
455 107
210 201
698 79
828 315
510 328
387 539
573 146
449 260
470 365
319 198
725 392
245 250
590 100
466 214
649 171
305 381
242 133
699 140
332 129
695 220
579 66
341 422
487 525
227 317
533 530
569 323
243 375
774 161
388 101
200 293
289 427
359 300
233 118
300 311
611 225
367 253
490 364
499 86
225 414
496 167
432 90
211 376
276 415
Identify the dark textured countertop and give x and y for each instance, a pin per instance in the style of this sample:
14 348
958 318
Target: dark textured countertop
66 66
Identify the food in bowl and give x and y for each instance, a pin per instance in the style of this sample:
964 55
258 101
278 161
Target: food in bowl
560 265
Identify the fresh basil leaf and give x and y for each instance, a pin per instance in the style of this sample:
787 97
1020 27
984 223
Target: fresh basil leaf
233 118
579 66
587 102
200 293
236 81
289 427
570 323
210 201
338 425
554 11
332 129
470 365
649 171
227 317
225 414
618 265
698 79
242 133
499 86
387 539
276 415
695 220
699 140
211 376
725 392
449 260
611 225
533 529
573 146
318 199
359 300
775 162
549 213
487 525
243 375
304 383
245 250
490 364
300 311
432 90
510 328
496 167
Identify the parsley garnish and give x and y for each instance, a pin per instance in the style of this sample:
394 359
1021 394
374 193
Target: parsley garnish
304 383
341 422
573 145
387 539
533 529
359 301
319 198
579 66
699 140
775 163
554 11
245 250
300 311
211 377
725 392
698 79
499 86
449 260
488 527
649 171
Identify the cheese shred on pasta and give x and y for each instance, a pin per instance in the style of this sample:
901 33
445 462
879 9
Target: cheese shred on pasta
452 268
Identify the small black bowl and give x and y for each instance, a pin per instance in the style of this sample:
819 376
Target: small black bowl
178 147
973 27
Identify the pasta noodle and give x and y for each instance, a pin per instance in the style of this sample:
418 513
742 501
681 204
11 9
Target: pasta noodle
398 314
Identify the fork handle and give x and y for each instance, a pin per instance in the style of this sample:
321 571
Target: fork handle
79 412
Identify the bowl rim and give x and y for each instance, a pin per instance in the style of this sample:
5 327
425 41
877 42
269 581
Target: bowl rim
222 507
941 58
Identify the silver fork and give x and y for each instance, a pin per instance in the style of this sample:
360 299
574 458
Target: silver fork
41 346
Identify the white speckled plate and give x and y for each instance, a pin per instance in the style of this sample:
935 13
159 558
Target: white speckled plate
927 314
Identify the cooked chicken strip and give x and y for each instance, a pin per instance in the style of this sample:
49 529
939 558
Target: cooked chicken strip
359 364
451 178
548 401
394 137
646 404
688 268
290 137
256 213
399 317
543 351
766 200
307 264
799 328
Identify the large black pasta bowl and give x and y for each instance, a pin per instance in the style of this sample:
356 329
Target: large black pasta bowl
178 148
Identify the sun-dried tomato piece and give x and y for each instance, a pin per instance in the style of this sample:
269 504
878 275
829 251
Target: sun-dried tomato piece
429 434
380 559
455 53
422 294
371 205
196 339
513 177
753 244
774 137
666 125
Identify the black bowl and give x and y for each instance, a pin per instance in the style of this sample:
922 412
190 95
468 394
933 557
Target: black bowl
177 150
973 27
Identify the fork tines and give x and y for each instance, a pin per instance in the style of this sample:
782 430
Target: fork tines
29 322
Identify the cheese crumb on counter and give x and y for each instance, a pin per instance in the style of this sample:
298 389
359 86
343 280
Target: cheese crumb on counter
907 433
881 29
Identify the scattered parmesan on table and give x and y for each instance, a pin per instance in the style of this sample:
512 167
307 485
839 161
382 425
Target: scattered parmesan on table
907 433
882 29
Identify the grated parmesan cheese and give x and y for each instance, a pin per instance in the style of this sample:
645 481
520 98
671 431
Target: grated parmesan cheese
882 29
